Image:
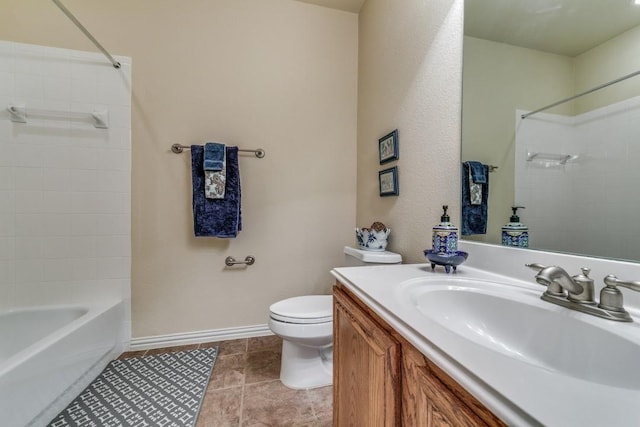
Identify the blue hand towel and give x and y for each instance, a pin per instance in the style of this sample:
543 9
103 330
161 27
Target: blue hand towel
215 170
474 217
477 172
216 217
475 188
214 154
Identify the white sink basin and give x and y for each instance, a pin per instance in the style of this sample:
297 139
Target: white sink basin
516 323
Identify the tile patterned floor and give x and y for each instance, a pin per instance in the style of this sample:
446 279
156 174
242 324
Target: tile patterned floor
244 390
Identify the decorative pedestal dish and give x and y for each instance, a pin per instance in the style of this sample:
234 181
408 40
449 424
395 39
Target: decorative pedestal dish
449 261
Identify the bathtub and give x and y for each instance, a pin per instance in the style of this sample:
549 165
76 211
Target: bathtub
49 354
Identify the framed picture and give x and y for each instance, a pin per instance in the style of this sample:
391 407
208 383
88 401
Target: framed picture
388 147
388 180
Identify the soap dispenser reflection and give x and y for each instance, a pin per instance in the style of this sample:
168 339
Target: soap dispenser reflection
515 233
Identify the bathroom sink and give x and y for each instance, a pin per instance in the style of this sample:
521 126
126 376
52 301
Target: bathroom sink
514 322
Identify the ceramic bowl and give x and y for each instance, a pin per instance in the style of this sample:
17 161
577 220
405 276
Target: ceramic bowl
449 261
372 240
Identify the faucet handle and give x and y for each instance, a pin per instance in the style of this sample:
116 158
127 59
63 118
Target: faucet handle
611 297
613 281
535 266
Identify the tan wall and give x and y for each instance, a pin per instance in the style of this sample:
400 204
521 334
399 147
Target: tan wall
611 60
498 79
410 79
276 74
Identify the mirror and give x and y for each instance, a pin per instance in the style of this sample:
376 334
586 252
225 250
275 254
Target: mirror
574 167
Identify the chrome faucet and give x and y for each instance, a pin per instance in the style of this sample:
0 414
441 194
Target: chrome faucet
579 294
557 280
559 276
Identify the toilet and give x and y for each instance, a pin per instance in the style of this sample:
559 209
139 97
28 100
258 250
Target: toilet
305 324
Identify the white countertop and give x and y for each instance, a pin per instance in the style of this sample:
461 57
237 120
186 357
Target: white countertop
518 393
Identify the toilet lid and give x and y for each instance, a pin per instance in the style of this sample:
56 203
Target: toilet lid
305 309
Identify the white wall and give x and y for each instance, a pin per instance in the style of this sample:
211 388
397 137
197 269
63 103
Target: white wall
543 185
409 78
65 186
592 198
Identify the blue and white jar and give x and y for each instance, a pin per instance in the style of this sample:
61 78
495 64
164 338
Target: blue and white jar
374 238
445 236
515 233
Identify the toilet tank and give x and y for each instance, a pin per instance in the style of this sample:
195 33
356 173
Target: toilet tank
358 257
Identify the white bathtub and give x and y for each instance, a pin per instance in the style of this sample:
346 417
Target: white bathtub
48 354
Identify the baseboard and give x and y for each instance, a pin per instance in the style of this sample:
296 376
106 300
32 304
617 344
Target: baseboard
172 340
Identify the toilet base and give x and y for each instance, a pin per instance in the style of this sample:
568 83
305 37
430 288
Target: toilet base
306 367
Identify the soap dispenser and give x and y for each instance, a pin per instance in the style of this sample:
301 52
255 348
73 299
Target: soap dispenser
515 233
445 235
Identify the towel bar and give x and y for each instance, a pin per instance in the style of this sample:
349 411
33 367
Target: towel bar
179 148
231 261
560 159
22 114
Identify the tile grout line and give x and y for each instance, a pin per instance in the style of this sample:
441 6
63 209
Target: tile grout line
241 417
313 409
244 381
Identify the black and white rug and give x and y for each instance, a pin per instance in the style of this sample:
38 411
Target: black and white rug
159 390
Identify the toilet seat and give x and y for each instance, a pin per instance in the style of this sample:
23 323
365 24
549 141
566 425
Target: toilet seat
303 310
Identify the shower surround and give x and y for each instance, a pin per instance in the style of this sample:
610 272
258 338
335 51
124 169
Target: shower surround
599 177
65 196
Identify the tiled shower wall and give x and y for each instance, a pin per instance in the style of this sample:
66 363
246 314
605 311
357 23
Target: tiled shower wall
592 200
65 185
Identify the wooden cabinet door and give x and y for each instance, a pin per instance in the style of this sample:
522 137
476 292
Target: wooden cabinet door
428 402
366 368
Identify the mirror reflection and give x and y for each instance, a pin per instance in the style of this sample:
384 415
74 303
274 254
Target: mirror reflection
574 167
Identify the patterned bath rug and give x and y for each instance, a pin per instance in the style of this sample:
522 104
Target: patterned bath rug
164 390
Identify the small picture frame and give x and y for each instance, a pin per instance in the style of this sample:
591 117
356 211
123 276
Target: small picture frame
388 147
388 182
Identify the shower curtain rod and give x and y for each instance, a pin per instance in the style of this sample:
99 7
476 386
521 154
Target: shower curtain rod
86 32
602 86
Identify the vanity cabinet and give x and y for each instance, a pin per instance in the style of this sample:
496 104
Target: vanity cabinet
380 379
432 398
366 360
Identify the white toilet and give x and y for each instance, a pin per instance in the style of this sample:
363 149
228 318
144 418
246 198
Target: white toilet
305 325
